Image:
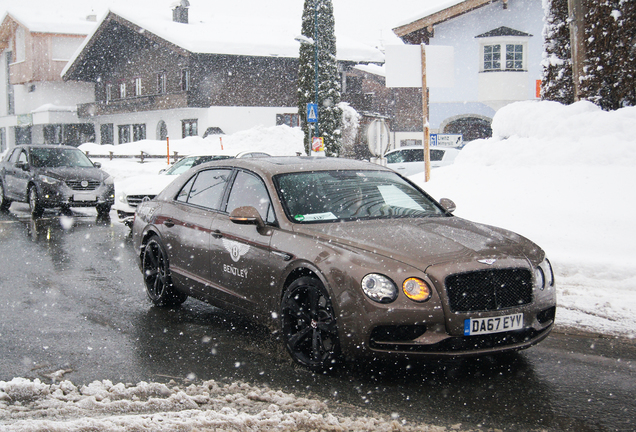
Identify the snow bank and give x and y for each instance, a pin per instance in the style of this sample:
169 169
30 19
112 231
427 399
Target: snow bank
32 406
275 140
561 176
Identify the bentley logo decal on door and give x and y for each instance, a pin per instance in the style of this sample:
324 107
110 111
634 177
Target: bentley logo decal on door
236 249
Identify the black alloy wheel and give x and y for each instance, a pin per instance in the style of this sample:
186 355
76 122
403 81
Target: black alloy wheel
157 275
4 202
34 203
309 324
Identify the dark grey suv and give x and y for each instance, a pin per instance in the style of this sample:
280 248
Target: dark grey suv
46 176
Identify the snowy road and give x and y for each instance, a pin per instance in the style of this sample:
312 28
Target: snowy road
74 309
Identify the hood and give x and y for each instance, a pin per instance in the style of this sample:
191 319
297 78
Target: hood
422 242
150 184
74 173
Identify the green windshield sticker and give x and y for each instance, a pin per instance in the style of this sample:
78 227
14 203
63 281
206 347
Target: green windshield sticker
299 218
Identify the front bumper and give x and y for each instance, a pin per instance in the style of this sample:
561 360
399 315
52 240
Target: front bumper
433 328
60 194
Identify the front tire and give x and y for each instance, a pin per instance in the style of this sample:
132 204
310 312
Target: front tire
103 210
34 203
4 202
309 324
157 276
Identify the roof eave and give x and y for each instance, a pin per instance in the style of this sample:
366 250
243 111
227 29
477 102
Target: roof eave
70 72
441 16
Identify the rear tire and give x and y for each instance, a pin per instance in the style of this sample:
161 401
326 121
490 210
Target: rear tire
4 202
156 271
34 203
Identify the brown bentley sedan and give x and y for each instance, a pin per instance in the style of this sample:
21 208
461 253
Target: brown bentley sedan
346 258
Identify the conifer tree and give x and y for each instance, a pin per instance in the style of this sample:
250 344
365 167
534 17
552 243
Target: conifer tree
557 82
610 65
320 45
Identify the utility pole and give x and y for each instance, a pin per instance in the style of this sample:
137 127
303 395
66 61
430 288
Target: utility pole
427 135
576 12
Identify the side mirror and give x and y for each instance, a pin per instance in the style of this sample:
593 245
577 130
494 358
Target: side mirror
448 205
247 215
22 165
97 164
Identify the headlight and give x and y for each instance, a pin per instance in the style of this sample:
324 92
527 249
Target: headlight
539 278
122 197
379 288
416 289
49 180
544 275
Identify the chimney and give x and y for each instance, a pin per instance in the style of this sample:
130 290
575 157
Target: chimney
180 11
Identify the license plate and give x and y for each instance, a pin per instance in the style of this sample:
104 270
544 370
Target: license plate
477 326
82 196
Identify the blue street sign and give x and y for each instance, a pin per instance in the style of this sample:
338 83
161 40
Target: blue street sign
433 141
312 113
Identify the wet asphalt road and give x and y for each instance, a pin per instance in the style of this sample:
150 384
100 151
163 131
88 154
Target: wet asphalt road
72 299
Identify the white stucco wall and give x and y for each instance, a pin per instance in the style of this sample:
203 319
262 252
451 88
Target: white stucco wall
30 97
464 98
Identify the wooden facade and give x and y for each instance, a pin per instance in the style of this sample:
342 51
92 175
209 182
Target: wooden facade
39 62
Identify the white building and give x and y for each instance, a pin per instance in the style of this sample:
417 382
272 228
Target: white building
498 47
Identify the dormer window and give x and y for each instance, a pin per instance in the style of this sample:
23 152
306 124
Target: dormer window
503 49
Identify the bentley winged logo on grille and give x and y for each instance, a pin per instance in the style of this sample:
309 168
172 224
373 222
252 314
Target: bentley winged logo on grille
489 261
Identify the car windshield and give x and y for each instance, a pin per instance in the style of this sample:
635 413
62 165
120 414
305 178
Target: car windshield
324 196
188 162
59 157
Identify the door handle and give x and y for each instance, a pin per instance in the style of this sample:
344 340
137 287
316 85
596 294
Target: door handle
217 234
169 223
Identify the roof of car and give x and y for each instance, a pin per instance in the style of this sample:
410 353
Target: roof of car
46 146
284 164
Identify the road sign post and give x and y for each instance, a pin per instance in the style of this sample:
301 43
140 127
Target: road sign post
312 113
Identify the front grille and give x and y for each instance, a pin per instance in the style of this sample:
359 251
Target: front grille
135 200
489 290
77 185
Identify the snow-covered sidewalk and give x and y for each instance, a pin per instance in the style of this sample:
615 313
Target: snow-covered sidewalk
32 406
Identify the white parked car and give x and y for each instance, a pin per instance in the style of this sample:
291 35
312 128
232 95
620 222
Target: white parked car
409 160
129 192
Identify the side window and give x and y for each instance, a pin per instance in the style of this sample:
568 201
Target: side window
207 190
22 157
414 155
14 156
185 191
437 155
249 190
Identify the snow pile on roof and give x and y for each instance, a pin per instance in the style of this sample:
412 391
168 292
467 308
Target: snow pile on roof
561 176
46 20
430 10
103 406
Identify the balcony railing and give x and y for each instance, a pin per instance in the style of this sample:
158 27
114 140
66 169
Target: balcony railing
133 104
